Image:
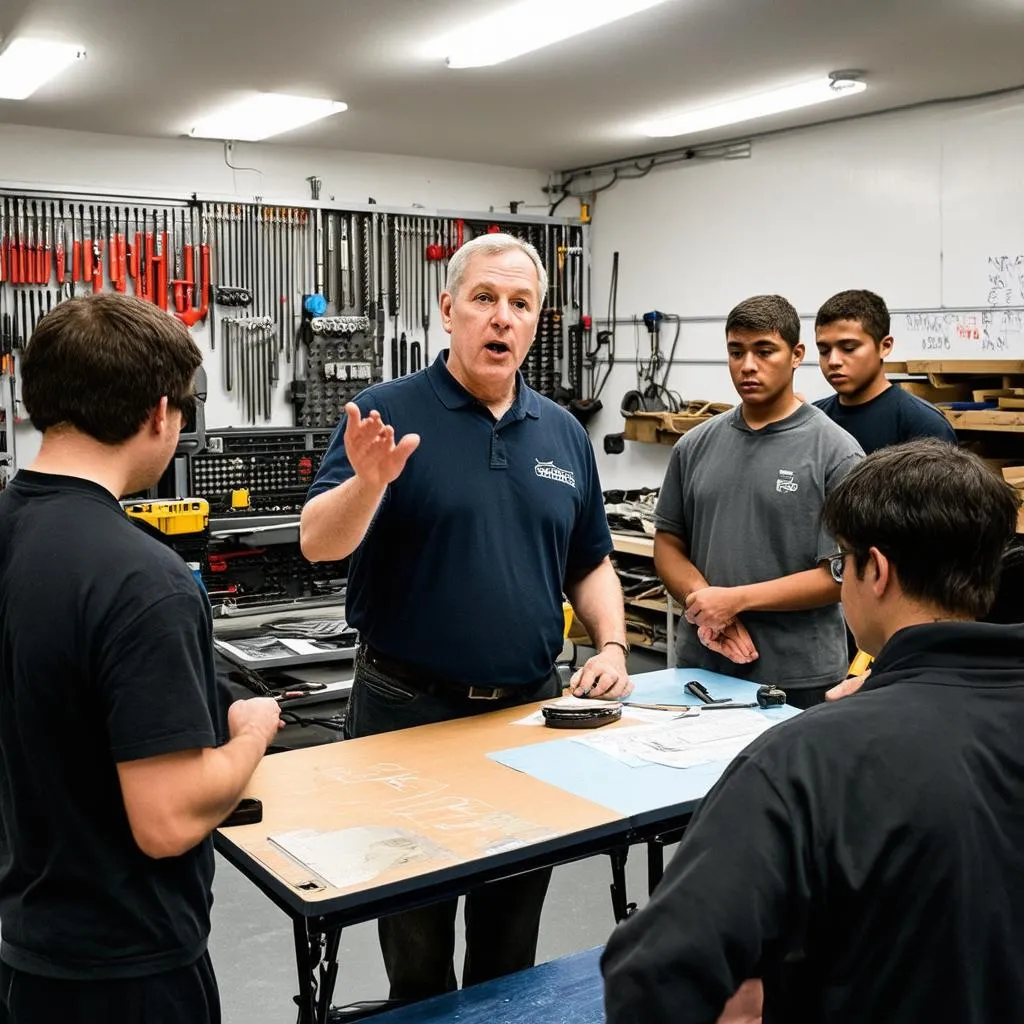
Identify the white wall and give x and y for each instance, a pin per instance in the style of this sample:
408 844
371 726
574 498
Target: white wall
912 205
63 160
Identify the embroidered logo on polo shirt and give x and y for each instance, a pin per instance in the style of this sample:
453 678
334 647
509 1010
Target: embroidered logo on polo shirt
786 482
549 471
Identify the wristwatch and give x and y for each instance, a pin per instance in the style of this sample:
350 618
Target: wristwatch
618 643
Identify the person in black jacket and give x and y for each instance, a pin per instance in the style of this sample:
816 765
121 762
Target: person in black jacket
879 873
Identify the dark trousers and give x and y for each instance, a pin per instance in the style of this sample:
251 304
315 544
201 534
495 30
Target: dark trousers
502 918
187 995
807 697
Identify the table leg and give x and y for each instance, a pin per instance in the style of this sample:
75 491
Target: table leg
620 907
655 864
328 975
304 943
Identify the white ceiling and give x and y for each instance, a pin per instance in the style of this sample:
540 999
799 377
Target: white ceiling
153 67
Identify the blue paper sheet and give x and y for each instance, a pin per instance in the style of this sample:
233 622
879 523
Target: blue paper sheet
634 792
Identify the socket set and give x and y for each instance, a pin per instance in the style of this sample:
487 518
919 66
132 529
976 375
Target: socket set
337 369
273 468
337 326
251 577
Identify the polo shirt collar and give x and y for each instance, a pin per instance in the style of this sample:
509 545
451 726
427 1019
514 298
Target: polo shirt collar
454 396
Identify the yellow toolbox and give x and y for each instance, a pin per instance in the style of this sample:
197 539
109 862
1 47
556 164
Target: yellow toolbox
189 515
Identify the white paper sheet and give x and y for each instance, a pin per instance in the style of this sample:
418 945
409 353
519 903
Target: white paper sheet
710 737
352 856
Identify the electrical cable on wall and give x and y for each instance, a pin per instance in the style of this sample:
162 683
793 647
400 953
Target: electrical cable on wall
653 394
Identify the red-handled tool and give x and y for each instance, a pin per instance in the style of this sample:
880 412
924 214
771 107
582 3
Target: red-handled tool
135 255
61 246
161 279
43 261
76 252
87 244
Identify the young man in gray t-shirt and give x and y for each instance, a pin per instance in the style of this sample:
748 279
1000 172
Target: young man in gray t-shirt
738 539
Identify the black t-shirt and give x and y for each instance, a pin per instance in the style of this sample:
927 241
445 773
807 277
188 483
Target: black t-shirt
891 418
105 656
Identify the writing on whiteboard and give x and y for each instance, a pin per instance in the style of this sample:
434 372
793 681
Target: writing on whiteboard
1006 280
963 335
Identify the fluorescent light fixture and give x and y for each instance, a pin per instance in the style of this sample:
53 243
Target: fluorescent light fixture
527 26
263 114
27 64
792 97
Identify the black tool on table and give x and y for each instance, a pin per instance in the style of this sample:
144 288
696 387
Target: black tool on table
700 692
248 812
770 696
566 716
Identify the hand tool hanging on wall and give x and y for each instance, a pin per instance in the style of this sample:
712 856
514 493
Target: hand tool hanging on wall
60 247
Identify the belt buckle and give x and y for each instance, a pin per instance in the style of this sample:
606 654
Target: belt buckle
484 693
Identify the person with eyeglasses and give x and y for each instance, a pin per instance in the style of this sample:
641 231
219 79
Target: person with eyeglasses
117 757
865 858
738 542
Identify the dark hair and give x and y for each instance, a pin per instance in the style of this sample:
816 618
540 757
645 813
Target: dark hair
866 308
101 364
1009 603
937 512
768 313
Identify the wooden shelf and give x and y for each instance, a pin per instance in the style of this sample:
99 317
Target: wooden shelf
985 419
649 604
633 544
978 367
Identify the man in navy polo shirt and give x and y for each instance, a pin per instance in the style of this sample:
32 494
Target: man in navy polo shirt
464 534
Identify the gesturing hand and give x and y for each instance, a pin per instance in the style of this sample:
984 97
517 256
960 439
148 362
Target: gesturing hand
371 449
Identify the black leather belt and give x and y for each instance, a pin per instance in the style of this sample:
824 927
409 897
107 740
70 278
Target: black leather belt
415 679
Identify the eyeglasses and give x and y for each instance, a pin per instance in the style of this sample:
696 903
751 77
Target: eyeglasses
835 566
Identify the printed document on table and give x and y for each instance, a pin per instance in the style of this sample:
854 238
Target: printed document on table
711 736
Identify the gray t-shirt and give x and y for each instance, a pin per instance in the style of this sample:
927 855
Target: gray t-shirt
747 504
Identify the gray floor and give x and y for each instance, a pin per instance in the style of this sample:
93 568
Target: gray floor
252 951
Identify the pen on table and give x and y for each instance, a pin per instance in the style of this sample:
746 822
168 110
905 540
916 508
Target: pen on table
686 707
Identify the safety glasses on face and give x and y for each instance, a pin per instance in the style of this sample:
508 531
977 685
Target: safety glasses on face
835 566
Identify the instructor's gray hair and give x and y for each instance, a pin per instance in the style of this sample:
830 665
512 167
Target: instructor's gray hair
493 245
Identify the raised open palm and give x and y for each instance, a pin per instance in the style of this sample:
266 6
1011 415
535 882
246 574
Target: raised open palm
371 448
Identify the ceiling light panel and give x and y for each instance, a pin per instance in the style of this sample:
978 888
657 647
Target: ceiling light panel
527 26
28 64
263 114
749 108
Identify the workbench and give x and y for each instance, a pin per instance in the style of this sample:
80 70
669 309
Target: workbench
476 819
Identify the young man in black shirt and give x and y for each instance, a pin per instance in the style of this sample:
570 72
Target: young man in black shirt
853 339
113 772
878 876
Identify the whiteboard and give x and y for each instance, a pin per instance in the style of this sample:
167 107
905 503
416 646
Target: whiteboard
992 333
925 207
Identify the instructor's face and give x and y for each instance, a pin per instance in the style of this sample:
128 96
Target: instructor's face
492 320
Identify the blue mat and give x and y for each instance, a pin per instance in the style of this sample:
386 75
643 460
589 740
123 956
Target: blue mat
634 792
565 991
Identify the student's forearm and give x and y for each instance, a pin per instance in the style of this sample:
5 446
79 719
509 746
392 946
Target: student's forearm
813 588
680 576
596 600
334 523
175 801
